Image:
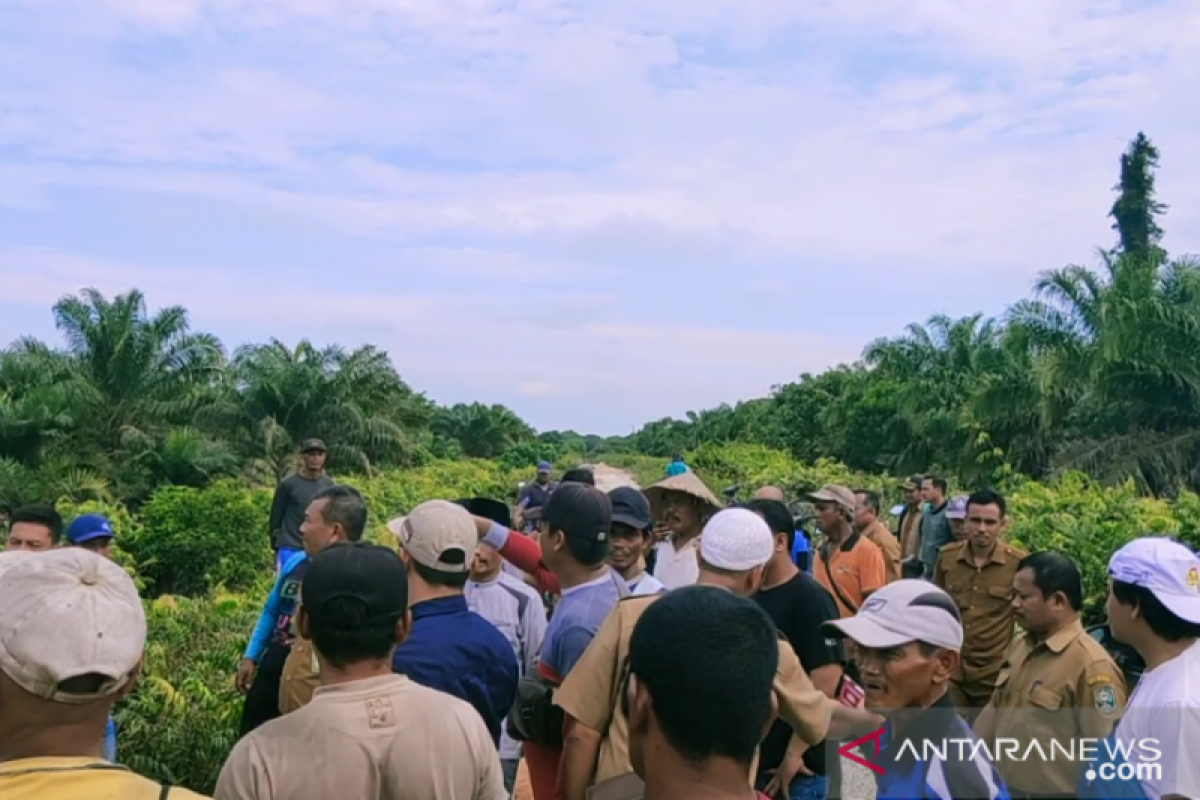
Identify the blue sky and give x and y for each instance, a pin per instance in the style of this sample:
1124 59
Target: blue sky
597 213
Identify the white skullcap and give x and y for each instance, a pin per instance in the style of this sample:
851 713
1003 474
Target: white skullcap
736 539
64 614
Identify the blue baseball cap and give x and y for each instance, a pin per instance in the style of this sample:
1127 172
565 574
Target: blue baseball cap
544 466
88 527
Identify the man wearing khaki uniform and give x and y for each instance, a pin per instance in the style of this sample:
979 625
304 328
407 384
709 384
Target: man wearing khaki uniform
978 573
1058 686
734 548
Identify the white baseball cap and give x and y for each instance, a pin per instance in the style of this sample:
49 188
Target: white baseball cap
1167 568
736 539
439 534
64 614
904 611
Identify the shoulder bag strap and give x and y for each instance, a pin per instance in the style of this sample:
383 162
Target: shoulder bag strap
836 589
166 790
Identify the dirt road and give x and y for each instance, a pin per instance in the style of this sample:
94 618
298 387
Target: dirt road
609 478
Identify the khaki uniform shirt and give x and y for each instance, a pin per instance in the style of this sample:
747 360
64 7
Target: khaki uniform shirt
1058 692
886 541
590 692
984 596
301 676
910 532
379 737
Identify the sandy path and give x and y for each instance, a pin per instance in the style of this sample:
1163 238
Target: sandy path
609 478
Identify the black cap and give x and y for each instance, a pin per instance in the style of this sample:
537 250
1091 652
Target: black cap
630 507
488 508
313 446
579 475
370 576
579 510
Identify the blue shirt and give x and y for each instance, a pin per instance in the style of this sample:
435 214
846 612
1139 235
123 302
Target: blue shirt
961 775
676 468
110 740
454 650
576 619
274 625
802 553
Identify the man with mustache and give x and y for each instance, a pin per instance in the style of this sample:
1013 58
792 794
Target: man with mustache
978 573
908 637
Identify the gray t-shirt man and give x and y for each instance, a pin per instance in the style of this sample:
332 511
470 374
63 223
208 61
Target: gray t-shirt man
292 496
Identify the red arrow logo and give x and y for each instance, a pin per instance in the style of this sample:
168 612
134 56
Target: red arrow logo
848 750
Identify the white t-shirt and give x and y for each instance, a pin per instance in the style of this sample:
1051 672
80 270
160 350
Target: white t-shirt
644 584
677 568
1165 707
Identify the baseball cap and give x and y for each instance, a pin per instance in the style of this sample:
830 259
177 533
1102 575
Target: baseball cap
488 508
544 467
909 610
832 493
1167 568
439 534
370 574
64 614
579 475
630 507
313 445
957 507
580 510
736 539
88 527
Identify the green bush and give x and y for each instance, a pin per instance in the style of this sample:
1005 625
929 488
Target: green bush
192 540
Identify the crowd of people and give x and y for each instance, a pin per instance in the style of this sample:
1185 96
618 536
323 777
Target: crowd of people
632 644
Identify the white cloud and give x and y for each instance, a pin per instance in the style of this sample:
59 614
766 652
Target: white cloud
587 151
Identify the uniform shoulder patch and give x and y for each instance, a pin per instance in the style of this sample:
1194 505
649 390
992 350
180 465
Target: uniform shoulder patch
1098 679
1105 697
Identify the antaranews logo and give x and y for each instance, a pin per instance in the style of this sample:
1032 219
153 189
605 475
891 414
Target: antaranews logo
1114 759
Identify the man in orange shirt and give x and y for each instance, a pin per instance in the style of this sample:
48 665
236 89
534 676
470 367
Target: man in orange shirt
847 564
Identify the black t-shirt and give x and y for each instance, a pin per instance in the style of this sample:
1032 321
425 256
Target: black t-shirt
799 608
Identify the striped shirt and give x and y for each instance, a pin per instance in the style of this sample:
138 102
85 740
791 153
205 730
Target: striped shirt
516 609
963 774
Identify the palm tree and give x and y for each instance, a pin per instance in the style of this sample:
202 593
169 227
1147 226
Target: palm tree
483 431
354 400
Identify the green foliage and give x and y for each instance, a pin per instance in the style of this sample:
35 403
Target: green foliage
192 540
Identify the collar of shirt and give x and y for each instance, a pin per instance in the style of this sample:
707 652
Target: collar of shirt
999 554
596 582
441 606
1058 641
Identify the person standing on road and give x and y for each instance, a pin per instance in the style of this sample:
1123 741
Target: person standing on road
573 538
534 495
868 524
517 611
798 606
684 504
449 647
690 726
36 528
907 640
336 514
848 565
630 538
368 733
1057 667
1154 606
292 496
935 528
979 573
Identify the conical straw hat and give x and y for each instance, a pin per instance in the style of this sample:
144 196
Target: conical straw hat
687 483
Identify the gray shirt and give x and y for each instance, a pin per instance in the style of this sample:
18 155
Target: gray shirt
935 534
292 496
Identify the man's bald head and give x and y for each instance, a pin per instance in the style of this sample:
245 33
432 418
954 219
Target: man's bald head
769 493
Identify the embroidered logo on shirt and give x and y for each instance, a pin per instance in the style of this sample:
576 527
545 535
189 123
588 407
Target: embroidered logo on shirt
380 712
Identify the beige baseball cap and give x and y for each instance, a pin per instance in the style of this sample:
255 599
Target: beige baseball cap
64 614
439 534
832 493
